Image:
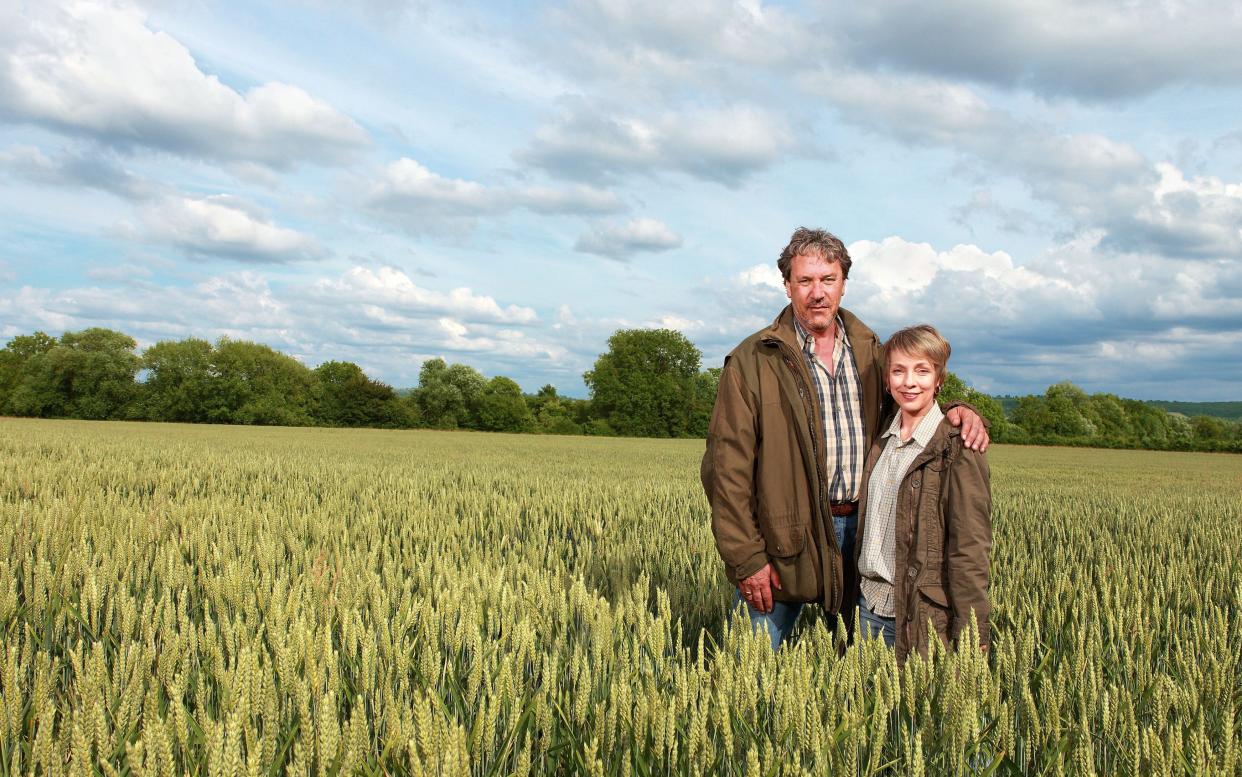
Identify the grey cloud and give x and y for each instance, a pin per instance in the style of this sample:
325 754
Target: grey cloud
578 200
620 241
984 203
1094 50
1097 182
409 194
97 170
382 12
121 273
1126 322
724 145
652 46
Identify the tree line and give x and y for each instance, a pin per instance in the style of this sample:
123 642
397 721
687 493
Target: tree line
649 383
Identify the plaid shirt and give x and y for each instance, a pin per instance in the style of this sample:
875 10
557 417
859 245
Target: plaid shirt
877 556
840 405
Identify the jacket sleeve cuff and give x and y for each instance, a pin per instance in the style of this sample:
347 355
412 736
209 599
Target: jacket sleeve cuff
750 566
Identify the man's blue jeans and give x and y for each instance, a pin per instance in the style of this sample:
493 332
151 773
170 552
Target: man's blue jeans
779 623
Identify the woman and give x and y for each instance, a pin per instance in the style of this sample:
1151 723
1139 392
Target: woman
926 511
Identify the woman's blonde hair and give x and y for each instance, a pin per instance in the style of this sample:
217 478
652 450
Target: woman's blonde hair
921 340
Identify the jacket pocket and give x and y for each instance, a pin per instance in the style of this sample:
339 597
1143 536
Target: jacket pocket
934 592
785 541
932 605
792 555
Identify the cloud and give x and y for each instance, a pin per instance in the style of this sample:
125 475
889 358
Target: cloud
1199 217
122 273
223 226
95 69
983 202
96 171
724 145
378 319
578 200
396 293
620 241
420 200
649 43
1095 50
1073 312
1096 183
914 110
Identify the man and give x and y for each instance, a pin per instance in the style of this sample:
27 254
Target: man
799 404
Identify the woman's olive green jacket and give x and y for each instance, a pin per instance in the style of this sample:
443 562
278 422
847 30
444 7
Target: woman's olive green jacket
943 536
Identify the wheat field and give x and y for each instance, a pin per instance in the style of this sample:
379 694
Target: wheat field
223 600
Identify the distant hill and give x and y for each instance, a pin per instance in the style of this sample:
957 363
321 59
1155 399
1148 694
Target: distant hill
1231 411
1008 402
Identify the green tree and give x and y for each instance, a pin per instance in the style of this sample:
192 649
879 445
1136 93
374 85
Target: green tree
644 386
1108 415
1208 429
536 402
1149 424
954 389
705 385
87 374
347 397
502 408
14 358
1060 414
448 396
181 382
260 385
556 414
1069 406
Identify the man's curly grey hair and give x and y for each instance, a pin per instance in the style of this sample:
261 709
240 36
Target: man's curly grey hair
814 242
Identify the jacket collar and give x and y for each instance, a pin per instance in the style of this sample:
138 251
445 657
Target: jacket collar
940 443
782 328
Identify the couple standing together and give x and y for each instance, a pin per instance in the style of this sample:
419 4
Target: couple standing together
834 476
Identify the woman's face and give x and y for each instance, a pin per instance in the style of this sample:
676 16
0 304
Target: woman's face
912 381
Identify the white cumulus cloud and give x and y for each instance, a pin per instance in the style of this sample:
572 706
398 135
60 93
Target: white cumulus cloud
395 292
223 226
96 69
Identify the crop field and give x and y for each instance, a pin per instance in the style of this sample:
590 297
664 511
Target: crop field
225 600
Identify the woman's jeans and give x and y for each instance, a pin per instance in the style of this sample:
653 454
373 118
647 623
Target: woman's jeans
872 625
779 623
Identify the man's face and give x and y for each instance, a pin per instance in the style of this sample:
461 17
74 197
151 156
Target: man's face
815 287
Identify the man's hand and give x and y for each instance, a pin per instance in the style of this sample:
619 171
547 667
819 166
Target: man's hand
974 433
757 589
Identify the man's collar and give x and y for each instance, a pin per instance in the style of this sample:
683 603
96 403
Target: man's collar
807 340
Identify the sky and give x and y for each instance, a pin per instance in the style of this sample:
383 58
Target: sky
1056 186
